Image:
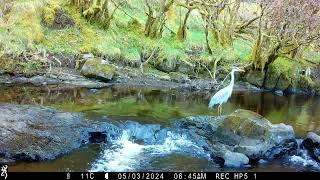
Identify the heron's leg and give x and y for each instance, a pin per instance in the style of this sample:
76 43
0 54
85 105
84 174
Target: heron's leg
219 110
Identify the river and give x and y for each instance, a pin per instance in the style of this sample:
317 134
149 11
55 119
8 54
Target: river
161 106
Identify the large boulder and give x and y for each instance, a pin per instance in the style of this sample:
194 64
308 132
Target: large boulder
99 69
243 133
31 133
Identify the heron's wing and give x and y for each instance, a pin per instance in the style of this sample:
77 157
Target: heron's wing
219 97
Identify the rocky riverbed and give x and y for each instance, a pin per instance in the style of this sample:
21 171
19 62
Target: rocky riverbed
243 138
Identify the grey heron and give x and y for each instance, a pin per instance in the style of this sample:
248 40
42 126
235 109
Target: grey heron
224 94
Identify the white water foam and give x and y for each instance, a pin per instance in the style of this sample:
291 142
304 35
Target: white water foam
305 160
125 155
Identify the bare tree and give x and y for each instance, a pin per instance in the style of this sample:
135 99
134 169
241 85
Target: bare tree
156 12
190 6
100 10
285 28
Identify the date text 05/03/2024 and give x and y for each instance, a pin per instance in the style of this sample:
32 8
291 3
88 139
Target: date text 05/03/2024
185 175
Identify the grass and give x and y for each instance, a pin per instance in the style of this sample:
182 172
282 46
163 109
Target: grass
124 41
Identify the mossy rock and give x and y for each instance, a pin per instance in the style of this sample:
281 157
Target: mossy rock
255 77
271 79
178 77
185 67
150 71
306 83
283 83
113 54
99 69
54 16
167 64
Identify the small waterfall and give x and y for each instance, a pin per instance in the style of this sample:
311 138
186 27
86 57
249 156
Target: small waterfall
302 158
125 154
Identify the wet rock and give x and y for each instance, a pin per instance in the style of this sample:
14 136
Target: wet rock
312 144
31 133
99 69
97 137
243 132
56 76
146 134
234 159
279 92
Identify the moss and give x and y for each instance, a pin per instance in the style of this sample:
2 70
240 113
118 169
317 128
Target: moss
49 12
305 82
89 40
96 68
113 53
131 57
25 29
28 68
285 66
135 25
282 73
150 71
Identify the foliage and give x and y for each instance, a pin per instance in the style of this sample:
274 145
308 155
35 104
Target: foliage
285 28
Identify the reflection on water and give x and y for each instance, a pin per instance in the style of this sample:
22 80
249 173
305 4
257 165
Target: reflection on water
148 105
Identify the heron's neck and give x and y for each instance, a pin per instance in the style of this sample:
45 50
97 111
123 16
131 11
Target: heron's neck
232 79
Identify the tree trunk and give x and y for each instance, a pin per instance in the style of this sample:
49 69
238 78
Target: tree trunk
156 20
152 27
182 32
228 31
207 38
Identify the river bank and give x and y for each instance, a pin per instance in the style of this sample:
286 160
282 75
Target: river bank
151 77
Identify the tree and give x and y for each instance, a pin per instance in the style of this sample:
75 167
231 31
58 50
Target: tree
100 10
190 6
156 12
285 28
220 18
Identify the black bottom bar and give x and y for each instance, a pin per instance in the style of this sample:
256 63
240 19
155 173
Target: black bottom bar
163 175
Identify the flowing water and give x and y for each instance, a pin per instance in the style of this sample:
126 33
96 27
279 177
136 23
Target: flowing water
153 107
